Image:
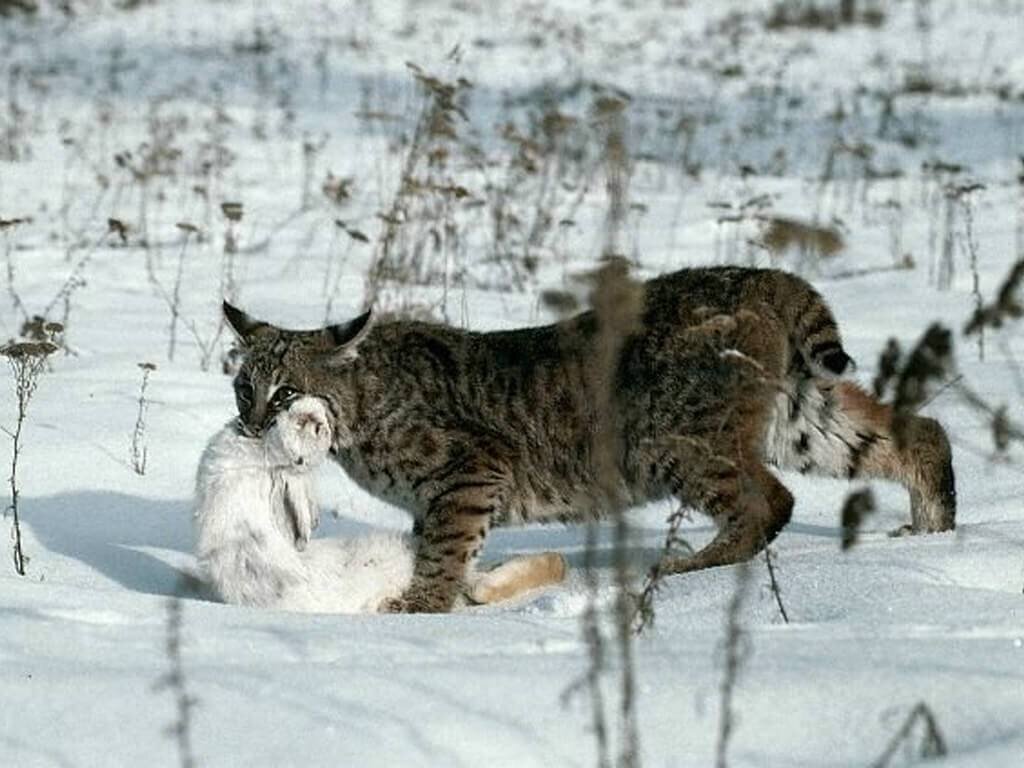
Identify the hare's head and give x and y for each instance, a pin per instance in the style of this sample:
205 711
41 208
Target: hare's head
300 435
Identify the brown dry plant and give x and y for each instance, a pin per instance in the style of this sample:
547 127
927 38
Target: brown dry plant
28 361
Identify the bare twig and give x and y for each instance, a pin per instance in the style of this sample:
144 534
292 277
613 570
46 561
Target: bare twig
1007 305
174 681
769 556
736 648
932 743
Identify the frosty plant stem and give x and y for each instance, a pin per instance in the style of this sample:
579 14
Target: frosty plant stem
27 360
932 743
174 300
139 450
774 583
6 226
735 649
233 213
174 681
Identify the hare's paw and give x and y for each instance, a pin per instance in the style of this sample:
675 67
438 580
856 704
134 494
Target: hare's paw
303 511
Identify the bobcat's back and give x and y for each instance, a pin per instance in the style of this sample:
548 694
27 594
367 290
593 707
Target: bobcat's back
800 310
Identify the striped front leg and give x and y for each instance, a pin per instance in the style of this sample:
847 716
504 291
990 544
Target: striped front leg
455 525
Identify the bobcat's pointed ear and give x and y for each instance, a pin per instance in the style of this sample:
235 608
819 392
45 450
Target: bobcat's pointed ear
243 325
345 338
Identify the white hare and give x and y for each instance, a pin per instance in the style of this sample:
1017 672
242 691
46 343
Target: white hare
255 512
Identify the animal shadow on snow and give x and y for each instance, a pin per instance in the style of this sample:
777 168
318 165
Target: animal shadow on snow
145 545
111 533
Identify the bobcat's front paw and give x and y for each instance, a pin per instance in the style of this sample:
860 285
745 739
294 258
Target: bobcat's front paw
415 602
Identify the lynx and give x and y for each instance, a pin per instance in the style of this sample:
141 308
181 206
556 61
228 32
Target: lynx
256 509
729 371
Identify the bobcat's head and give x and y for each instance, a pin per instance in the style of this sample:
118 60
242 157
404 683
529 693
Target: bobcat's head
279 365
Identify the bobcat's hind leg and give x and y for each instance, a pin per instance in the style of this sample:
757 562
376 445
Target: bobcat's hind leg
912 450
517 576
727 478
840 430
750 507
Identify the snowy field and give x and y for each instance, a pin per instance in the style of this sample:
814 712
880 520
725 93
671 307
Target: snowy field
156 114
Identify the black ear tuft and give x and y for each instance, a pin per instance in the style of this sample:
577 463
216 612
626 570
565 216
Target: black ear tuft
240 323
345 337
346 333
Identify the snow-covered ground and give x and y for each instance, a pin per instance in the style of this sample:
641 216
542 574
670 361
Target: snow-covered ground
215 101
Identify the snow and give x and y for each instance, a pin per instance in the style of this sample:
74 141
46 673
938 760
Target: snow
872 632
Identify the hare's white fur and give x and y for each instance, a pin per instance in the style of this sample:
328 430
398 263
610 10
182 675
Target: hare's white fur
256 509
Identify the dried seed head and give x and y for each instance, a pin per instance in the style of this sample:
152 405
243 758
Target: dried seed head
147 366
119 228
888 367
10 223
232 211
1007 305
559 302
22 350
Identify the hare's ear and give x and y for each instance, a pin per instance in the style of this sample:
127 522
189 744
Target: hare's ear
344 339
243 325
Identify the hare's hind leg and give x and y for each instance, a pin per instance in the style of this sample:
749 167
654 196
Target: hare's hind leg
516 576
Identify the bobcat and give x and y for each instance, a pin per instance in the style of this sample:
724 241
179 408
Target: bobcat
256 509
729 370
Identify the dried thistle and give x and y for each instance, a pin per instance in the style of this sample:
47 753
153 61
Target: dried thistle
562 303
888 367
119 228
337 189
38 328
139 451
1007 305
930 362
27 360
232 211
617 302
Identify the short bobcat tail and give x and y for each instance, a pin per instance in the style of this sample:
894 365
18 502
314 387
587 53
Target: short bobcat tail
813 329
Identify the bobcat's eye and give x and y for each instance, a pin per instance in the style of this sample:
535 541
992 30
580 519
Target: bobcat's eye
284 395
